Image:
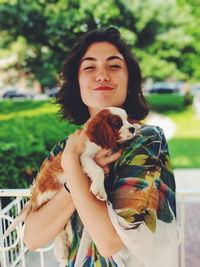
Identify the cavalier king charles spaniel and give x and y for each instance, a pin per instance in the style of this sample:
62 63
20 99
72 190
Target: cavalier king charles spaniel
106 130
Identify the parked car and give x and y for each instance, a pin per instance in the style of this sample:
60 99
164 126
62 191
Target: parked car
15 93
52 92
165 88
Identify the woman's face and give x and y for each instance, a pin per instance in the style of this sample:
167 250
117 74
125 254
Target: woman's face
103 77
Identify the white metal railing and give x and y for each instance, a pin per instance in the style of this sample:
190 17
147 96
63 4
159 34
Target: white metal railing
12 252
12 249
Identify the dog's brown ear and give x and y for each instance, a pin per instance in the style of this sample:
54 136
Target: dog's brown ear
100 132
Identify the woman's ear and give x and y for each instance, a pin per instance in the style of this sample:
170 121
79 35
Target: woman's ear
100 132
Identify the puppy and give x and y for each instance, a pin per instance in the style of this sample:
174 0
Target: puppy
106 130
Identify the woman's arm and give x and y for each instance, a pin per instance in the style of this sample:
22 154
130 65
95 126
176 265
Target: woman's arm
43 225
92 211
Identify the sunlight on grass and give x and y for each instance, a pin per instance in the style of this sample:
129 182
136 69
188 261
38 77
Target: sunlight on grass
186 123
46 108
28 133
162 102
184 152
185 144
184 160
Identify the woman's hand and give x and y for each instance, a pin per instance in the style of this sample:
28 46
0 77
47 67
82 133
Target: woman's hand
75 147
76 143
105 157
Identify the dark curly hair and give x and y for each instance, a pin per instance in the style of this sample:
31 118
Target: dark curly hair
71 104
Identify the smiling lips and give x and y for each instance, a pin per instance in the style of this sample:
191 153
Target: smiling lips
103 88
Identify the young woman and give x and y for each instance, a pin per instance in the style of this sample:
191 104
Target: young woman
136 227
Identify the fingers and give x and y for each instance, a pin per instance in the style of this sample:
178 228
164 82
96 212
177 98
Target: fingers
106 170
105 157
113 157
105 153
76 142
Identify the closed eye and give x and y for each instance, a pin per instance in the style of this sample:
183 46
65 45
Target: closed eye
115 66
88 68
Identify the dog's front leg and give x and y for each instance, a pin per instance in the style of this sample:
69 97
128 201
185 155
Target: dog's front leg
96 175
94 171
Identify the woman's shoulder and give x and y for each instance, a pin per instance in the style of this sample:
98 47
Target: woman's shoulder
149 130
152 131
146 135
147 143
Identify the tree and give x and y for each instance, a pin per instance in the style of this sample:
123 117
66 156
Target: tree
156 30
189 60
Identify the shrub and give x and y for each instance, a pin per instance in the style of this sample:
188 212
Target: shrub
166 102
26 142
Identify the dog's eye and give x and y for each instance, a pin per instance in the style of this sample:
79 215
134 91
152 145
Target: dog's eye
117 124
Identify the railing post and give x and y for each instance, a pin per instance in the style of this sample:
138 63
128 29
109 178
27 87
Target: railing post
2 253
42 258
20 232
182 221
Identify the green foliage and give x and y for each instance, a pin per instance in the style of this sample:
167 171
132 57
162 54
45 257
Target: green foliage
184 152
30 129
184 144
187 124
164 34
189 61
27 135
165 102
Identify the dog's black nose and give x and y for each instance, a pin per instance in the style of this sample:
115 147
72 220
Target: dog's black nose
132 129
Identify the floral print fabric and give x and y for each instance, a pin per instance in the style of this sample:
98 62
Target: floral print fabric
141 204
144 189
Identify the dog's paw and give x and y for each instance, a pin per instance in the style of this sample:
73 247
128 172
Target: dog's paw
100 193
101 196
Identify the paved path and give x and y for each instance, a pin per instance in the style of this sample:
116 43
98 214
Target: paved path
165 123
187 179
33 259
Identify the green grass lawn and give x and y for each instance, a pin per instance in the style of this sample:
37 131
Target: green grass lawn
166 102
29 129
32 122
184 147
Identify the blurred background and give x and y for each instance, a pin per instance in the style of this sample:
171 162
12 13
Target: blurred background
37 35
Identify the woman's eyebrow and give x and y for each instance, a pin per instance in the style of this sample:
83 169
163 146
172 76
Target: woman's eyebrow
108 59
115 57
89 59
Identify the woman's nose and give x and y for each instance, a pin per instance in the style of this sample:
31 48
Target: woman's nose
103 76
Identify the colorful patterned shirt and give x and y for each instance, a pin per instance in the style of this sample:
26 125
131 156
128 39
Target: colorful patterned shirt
141 205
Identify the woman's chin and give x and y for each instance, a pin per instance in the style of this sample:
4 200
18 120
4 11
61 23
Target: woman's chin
94 110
